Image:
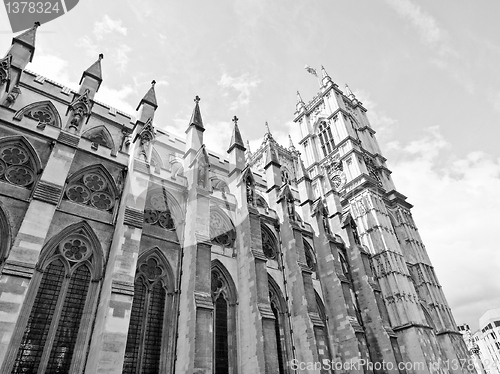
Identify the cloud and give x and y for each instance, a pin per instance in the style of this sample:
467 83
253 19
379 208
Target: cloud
53 67
445 190
379 120
117 98
428 28
243 85
108 26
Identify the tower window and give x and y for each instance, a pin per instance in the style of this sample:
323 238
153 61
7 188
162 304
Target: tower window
326 138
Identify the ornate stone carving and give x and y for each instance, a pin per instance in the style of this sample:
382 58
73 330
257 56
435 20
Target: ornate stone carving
80 108
5 69
335 171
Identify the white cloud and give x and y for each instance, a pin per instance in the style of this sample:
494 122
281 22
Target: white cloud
52 67
243 85
88 45
108 26
117 98
379 120
456 211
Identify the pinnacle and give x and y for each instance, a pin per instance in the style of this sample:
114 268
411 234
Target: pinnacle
28 38
149 97
196 116
236 140
94 71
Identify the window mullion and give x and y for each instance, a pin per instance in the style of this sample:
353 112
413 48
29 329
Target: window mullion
144 326
53 326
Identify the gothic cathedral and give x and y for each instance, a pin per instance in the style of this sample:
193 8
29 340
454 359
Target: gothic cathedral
127 249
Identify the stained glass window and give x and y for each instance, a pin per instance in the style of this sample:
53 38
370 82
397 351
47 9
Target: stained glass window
144 340
65 282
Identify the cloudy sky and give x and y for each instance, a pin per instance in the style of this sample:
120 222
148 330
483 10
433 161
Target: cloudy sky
428 72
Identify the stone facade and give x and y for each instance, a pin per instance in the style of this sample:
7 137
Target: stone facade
126 249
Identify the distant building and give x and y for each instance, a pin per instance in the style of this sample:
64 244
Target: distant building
487 339
126 249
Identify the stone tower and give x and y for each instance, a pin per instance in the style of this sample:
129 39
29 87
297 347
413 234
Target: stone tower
127 249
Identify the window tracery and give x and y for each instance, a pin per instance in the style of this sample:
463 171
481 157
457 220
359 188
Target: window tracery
44 112
221 229
99 135
269 243
157 211
17 164
326 138
150 306
279 309
310 257
92 187
66 288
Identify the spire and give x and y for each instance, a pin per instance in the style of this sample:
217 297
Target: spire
291 147
94 71
196 116
349 93
236 140
27 39
326 78
150 97
248 153
271 156
267 136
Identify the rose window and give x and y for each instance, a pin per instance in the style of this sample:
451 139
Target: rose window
14 156
75 249
19 175
91 189
42 116
94 182
101 200
16 167
151 216
165 220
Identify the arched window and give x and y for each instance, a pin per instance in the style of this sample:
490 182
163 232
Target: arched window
100 135
224 299
93 186
322 333
310 257
285 175
157 211
43 111
348 287
58 323
269 243
5 236
280 311
19 162
222 231
326 138
148 331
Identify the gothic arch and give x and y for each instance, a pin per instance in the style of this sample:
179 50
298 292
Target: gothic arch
92 185
428 317
43 111
224 297
282 325
219 184
152 320
222 231
176 168
260 201
64 288
321 307
156 161
100 135
270 245
310 255
5 235
159 200
24 143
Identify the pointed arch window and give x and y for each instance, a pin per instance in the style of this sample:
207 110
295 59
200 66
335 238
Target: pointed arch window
326 138
224 299
348 287
92 186
148 332
222 231
57 329
310 257
157 211
322 332
269 243
43 111
99 135
19 163
280 311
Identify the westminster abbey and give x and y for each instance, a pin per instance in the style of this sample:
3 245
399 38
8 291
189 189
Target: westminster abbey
127 249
